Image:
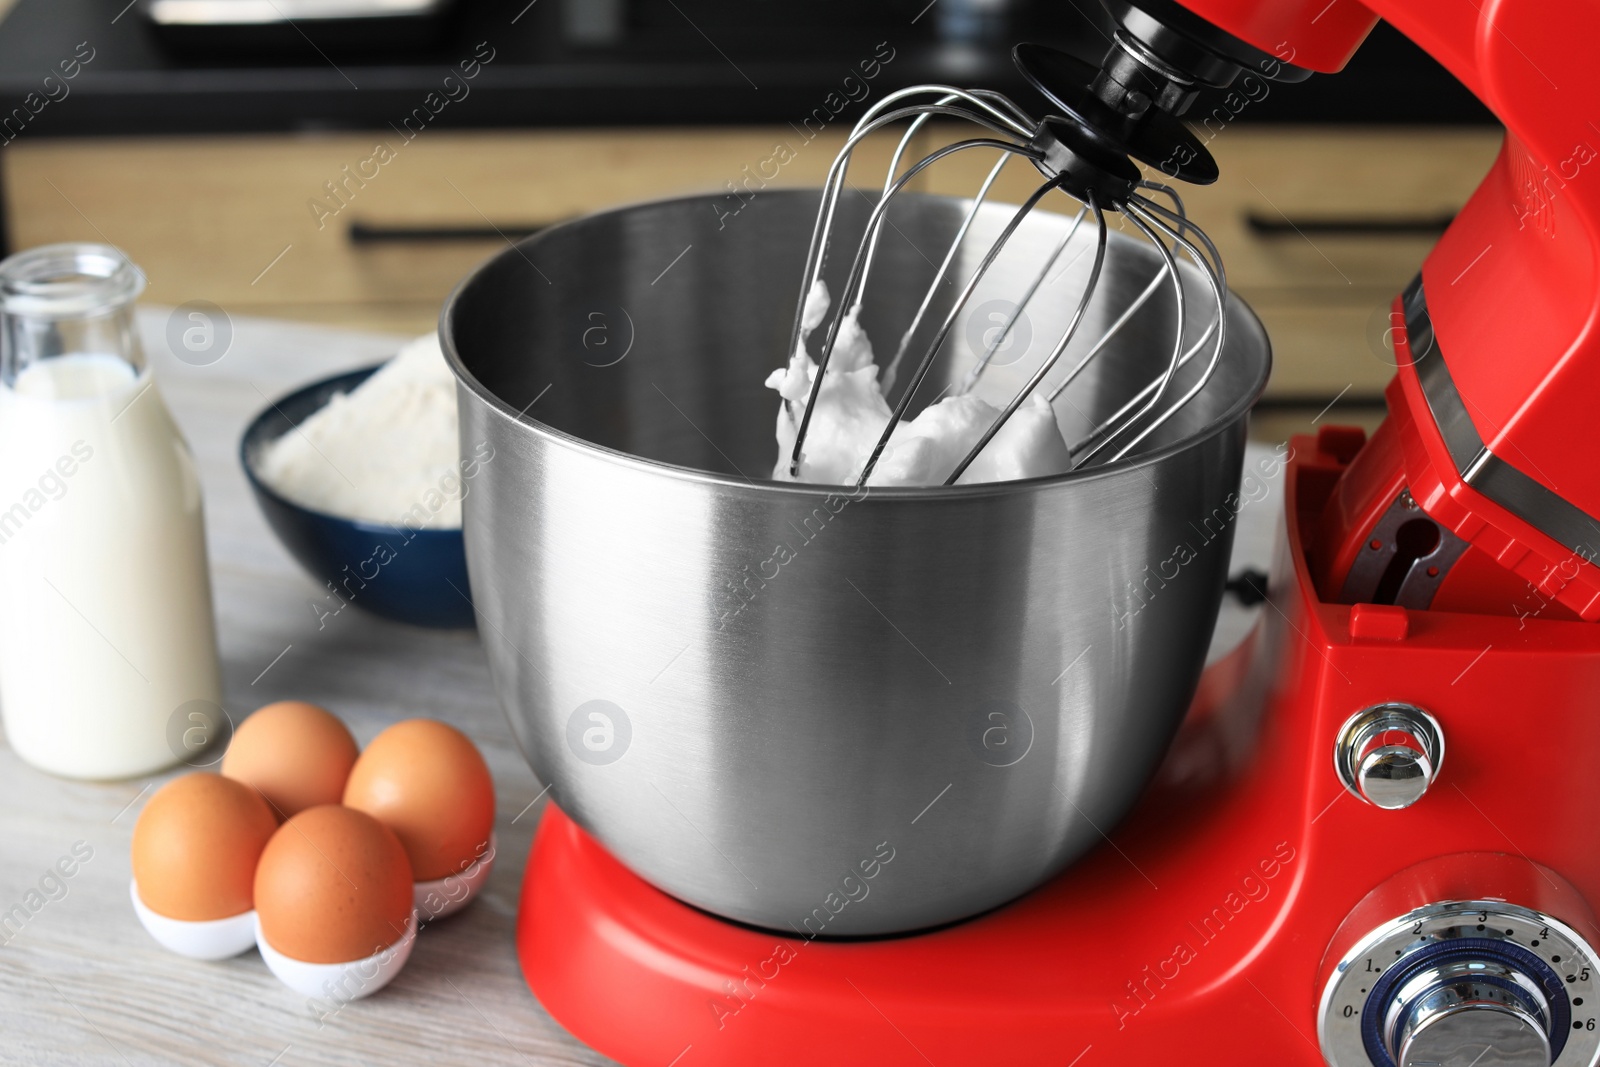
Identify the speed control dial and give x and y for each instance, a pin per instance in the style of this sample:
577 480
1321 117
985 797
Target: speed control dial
1474 1009
1465 984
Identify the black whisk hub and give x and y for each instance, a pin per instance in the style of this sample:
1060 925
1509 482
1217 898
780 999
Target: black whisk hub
1083 163
1114 117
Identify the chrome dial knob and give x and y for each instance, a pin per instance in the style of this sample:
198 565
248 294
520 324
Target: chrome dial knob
1465 983
1469 1013
1388 755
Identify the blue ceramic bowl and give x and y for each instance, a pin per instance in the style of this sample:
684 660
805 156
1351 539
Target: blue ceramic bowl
411 576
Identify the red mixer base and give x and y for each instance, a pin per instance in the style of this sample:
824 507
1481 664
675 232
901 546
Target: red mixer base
1198 931
648 980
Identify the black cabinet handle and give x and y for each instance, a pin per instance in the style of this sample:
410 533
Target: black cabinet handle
1278 225
368 233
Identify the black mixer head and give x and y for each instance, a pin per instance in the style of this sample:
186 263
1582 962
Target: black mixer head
1128 108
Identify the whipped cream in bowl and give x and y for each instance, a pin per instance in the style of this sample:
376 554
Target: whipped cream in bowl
851 413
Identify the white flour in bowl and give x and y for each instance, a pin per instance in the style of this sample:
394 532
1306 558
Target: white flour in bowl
385 452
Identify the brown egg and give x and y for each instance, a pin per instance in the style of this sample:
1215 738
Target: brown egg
297 754
427 782
333 886
195 847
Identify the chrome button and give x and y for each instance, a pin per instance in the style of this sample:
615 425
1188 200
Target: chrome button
1389 754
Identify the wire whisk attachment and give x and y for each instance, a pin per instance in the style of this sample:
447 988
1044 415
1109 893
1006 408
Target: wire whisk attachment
1096 177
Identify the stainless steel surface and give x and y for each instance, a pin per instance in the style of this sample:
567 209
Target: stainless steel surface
1008 129
1469 1014
1464 983
1388 755
806 707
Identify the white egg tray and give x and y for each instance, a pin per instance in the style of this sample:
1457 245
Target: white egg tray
219 939
215 939
340 982
448 895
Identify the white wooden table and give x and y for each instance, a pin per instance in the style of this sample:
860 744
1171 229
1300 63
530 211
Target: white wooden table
82 983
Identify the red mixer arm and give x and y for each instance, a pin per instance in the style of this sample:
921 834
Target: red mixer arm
1504 375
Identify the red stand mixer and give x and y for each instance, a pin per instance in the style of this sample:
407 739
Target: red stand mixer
1365 847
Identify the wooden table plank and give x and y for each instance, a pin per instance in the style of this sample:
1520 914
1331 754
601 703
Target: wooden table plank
82 983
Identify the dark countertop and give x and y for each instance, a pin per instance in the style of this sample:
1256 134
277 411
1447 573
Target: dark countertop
681 62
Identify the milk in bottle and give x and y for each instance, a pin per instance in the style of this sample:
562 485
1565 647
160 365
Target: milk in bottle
108 653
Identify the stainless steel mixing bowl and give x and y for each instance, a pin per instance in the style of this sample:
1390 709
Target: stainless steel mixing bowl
798 706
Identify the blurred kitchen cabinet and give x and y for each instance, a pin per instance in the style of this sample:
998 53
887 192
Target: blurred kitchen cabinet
1319 227
370 230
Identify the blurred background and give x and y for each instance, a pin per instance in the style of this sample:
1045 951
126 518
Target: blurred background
348 161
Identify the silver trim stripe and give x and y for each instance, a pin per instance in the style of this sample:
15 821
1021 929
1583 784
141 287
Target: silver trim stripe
1480 468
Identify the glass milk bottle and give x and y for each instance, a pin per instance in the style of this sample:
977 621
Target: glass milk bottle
107 640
